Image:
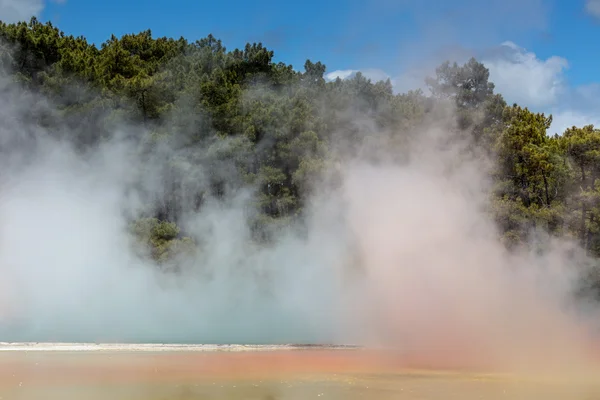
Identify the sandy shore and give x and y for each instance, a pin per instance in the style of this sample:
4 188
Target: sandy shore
42 364
156 347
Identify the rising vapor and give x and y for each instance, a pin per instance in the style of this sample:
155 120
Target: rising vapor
394 252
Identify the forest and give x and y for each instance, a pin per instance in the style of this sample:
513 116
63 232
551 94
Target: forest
285 128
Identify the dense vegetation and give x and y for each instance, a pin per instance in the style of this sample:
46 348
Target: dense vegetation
284 126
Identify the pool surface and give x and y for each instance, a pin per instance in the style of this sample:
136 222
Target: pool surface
271 374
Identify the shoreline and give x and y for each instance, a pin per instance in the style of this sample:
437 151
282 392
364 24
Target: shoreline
159 347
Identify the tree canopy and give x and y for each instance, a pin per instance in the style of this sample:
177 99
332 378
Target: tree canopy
282 127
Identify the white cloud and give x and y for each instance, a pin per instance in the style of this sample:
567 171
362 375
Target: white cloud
593 7
19 10
540 84
340 73
524 78
521 77
373 74
579 108
589 92
562 120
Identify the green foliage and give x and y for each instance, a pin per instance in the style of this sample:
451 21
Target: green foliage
162 238
468 85
249 120
531 173
582 146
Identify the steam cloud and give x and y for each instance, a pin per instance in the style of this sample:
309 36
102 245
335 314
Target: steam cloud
401 254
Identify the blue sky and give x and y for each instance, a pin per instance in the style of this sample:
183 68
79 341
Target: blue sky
541 53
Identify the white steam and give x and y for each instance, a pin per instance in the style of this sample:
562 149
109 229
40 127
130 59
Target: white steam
401 254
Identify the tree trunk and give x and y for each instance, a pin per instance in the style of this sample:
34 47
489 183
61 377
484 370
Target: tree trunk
546 189
583 209
589 235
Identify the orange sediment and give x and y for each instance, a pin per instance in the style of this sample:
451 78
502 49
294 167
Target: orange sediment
165 366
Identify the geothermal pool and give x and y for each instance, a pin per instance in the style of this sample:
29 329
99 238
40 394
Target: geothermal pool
182 372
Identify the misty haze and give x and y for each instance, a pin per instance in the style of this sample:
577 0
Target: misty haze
177 191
